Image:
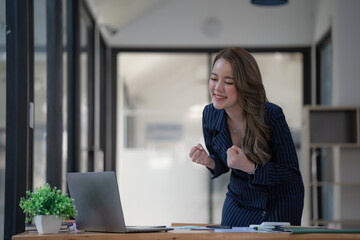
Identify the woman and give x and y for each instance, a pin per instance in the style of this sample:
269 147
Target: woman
249 135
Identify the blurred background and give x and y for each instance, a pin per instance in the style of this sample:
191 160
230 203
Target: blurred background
160 58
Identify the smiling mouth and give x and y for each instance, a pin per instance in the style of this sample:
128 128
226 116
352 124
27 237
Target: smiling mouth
219 97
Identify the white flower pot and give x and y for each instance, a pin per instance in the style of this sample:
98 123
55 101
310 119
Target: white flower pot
47 224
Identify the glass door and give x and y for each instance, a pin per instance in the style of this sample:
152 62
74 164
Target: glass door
161 98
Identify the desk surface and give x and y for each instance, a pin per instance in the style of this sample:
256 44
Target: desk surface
180 235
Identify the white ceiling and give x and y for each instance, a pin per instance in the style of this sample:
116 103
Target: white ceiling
116 14
203 23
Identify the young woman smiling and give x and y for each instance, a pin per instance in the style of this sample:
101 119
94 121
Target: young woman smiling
248 135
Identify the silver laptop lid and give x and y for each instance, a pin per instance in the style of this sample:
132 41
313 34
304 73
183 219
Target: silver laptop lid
97 200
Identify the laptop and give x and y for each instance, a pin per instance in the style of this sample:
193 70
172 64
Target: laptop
97 200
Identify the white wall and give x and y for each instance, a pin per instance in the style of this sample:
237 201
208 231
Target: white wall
343 17
348 53
219 23
213 23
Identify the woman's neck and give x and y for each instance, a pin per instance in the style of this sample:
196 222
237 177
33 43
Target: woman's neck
235 115
237 125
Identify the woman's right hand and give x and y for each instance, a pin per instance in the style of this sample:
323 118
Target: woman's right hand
199 156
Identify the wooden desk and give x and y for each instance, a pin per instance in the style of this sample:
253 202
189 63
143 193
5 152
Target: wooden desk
180 235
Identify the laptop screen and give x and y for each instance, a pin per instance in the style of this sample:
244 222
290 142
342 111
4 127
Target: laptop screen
97 200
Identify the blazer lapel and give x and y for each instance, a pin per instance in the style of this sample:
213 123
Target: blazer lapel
222 139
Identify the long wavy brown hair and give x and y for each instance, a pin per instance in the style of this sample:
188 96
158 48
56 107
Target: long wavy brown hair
252 94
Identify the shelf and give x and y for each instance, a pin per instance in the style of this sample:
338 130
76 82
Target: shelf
331 150
336 127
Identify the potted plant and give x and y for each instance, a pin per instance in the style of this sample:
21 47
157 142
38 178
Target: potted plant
49 207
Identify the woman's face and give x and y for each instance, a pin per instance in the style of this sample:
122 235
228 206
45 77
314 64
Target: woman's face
222 86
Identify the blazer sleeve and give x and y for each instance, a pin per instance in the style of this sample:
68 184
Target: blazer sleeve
208 132
283 165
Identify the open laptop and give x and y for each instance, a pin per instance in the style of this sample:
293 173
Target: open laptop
97 200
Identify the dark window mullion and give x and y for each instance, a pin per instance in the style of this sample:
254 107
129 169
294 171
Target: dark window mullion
54 93
113 110
110 119
19 82
102 99
91 99
73 47
30 165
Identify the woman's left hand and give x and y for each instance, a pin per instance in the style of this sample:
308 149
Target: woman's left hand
237 159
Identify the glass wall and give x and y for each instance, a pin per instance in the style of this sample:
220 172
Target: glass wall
162 96
2 112
283 81
84 107
86 91
41 82
40 86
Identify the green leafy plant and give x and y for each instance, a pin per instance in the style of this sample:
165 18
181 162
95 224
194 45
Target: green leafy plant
47 201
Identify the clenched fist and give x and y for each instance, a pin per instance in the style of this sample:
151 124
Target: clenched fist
237 159
199 156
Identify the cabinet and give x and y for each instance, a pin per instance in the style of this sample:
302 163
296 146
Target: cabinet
331 166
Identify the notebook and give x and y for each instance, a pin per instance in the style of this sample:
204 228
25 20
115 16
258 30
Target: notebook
97 200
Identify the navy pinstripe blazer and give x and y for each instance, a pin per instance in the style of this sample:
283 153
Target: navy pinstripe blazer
276 191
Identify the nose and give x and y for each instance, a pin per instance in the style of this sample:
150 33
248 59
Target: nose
219 85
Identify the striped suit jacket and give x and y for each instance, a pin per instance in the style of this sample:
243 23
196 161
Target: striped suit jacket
276 191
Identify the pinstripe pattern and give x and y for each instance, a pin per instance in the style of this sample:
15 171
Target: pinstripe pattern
276 191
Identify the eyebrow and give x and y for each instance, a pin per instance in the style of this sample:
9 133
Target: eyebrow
227 77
